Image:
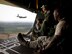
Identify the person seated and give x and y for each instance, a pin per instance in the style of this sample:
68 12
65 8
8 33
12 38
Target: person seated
41 39
58 42
39 26
41 17
35 31
52 43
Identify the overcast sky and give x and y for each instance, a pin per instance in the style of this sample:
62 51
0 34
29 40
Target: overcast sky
9 14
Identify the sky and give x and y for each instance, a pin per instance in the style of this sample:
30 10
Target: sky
9 14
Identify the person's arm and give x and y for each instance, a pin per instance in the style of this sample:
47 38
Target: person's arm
51 42
57 35
29 31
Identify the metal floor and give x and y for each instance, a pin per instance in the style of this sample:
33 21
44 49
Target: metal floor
12 46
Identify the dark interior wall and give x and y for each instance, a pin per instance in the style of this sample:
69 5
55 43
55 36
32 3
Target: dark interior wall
51 3
66 5
28 4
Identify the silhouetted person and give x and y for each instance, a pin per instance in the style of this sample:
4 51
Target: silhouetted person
59 41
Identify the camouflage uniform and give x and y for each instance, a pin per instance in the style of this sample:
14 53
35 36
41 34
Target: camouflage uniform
47 28
37 41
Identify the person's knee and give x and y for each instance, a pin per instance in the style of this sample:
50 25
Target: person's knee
20 38
19 34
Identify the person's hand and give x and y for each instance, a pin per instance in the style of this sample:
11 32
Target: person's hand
24 34
44 46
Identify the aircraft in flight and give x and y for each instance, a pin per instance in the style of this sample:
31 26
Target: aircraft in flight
21 16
